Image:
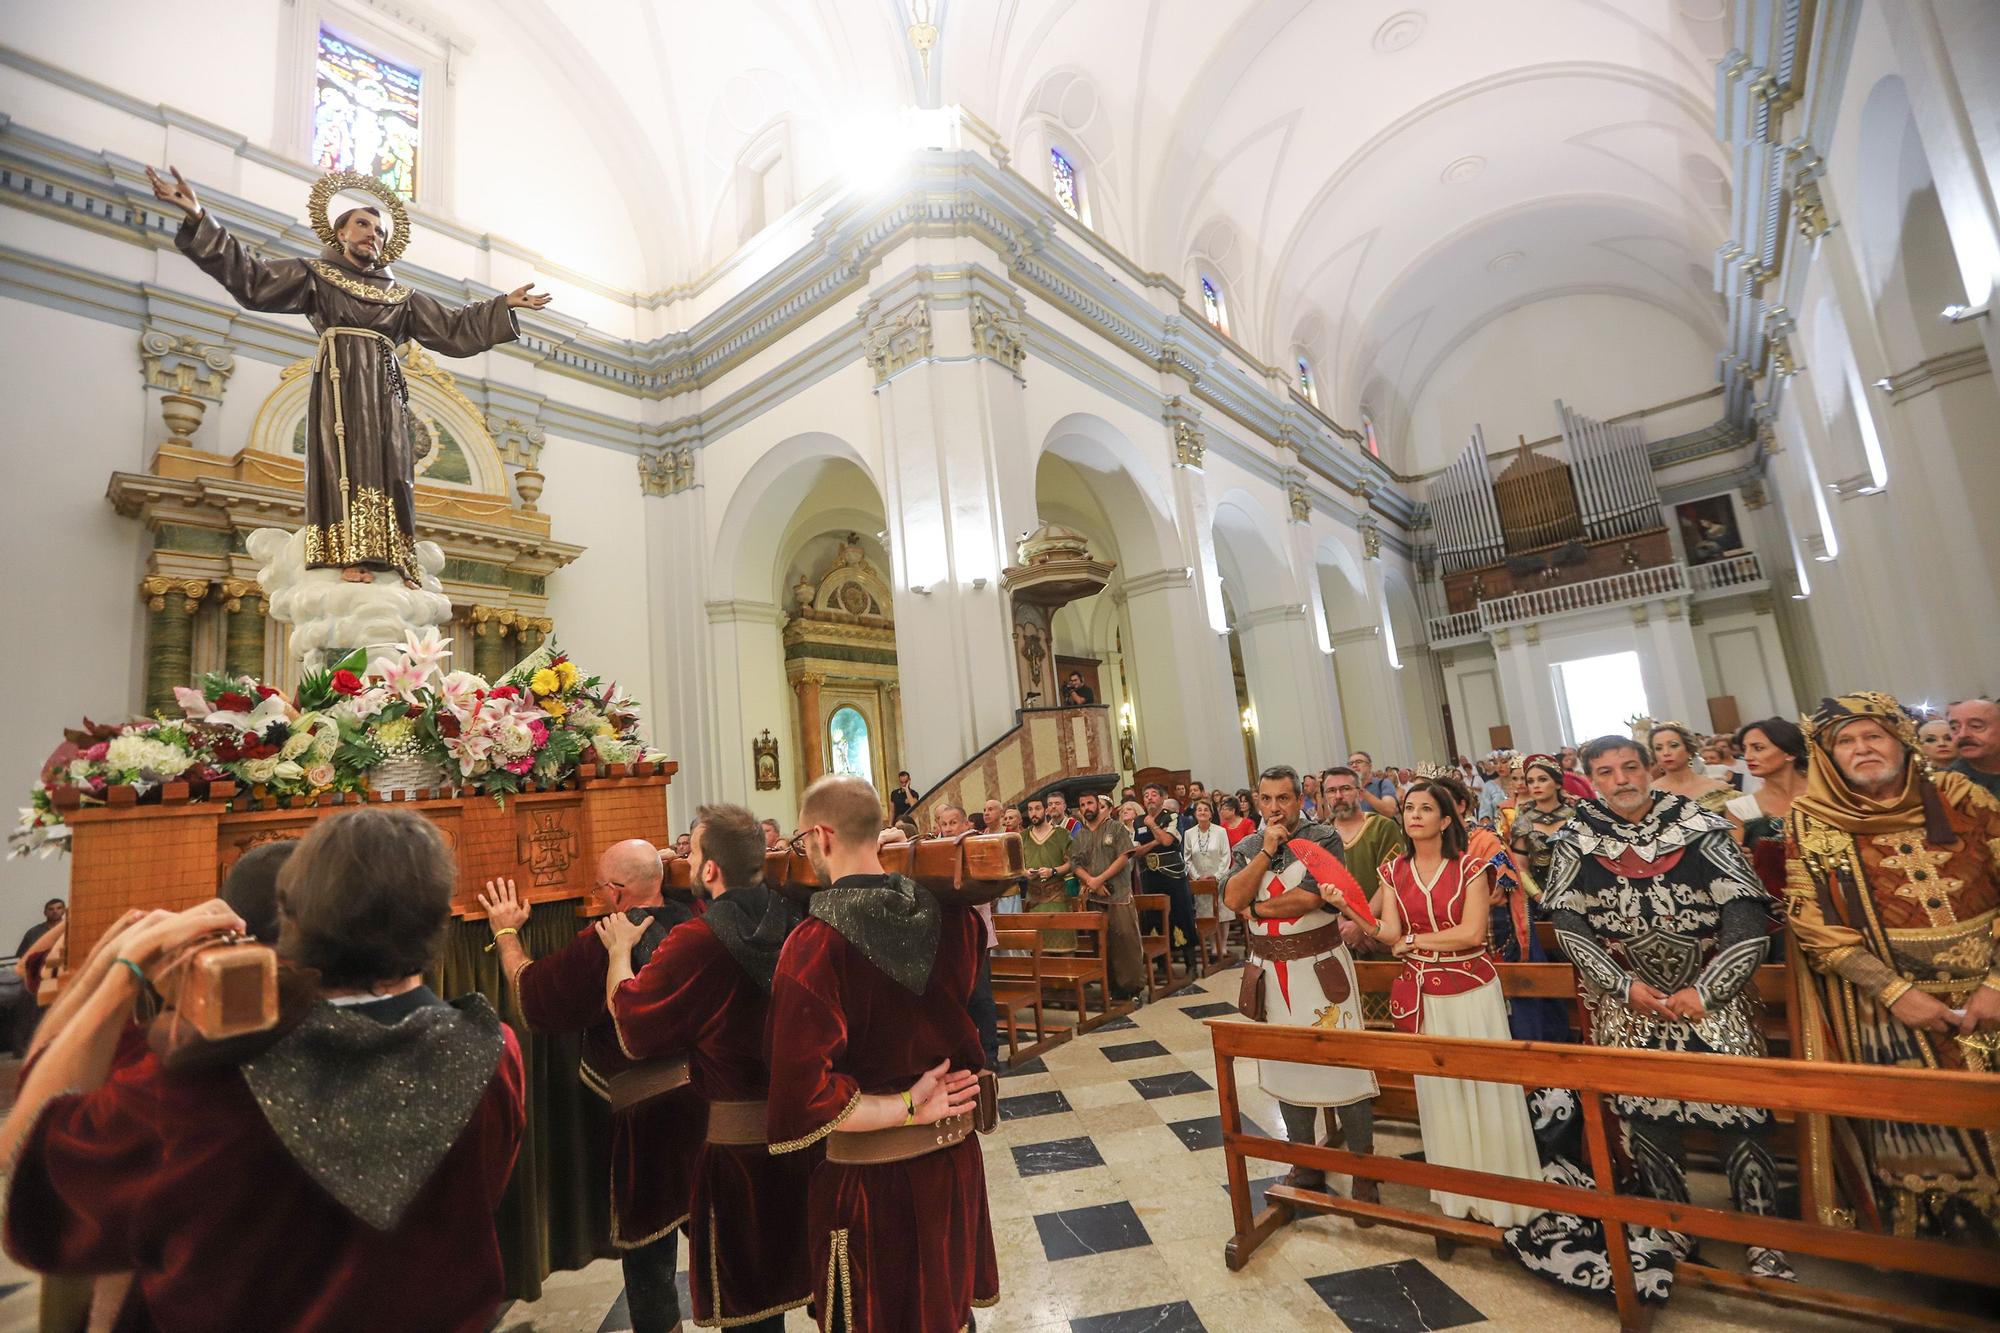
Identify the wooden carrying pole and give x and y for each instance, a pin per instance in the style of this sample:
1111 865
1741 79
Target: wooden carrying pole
1866 1092
974 868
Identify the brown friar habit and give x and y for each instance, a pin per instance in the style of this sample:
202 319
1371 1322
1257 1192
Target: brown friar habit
360 501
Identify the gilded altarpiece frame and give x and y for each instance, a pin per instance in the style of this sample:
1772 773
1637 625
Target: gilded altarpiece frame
840 652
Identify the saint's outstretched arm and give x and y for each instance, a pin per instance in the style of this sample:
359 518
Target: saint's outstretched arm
277 286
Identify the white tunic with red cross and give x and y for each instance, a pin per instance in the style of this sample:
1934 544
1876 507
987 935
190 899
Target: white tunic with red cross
1293 995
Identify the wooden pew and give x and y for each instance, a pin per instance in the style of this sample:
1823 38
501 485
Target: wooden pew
1069 974
1557 981
1794 1089
1208 927
1155 943
1023 950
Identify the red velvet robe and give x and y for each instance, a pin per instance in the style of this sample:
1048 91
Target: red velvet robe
653 1144
906 1247
747 1230
180 1178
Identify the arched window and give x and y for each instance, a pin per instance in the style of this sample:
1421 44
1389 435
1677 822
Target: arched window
1308 389
1063 179
365 111
1368 436
847 733
1211 304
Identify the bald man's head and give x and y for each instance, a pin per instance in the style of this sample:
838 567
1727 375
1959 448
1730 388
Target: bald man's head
629 873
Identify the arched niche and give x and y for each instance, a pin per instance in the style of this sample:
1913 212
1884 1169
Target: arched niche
452 445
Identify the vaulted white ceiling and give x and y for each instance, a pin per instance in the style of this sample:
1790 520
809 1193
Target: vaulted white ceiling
1370 181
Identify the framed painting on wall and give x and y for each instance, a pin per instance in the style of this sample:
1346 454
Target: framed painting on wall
1708 529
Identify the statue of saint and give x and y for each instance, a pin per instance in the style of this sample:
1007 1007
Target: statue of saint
360 467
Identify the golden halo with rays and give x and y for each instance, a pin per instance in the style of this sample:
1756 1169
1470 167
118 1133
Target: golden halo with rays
333 183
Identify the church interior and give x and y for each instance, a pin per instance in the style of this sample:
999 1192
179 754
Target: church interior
1428 380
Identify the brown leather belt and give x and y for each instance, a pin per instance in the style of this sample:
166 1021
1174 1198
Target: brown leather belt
899 1144
644 1083
737 1123
1291 948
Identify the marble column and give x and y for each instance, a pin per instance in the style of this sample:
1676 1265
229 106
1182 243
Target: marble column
488 651
243 642
170 606
812 759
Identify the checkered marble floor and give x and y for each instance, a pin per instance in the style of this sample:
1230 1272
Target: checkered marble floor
1110 1211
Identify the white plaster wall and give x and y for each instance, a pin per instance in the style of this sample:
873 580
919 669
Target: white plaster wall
1741 655
70 600
1603 355
599 601
1472 684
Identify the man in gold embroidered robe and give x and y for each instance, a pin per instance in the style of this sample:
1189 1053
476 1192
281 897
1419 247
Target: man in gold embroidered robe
360 470
1893 891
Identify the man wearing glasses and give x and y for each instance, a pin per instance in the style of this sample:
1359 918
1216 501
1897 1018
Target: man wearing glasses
873 1054
657 1121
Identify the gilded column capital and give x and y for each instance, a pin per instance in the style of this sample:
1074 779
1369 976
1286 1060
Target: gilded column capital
666 471
1183 421
154 588
520 440
1300 500
815 679
181 363
234 590
897 339
997 334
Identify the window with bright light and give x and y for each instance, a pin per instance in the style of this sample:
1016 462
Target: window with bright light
1368 436
1599 696
1211 304
1062 176
365 111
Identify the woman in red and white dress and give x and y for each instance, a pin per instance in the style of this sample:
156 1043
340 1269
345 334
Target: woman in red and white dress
1437 918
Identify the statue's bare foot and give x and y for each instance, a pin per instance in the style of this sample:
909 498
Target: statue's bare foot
356 574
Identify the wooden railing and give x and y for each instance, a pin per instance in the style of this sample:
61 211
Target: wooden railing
1044 746
1802 1088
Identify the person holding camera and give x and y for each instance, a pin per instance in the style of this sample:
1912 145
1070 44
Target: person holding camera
375 1124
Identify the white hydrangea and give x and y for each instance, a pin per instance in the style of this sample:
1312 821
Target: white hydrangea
140 753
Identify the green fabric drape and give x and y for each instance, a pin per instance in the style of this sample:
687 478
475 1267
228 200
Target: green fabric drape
557 1211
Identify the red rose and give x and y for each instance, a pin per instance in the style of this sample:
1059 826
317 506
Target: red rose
505 692
447 724
346 682
229 701
266 692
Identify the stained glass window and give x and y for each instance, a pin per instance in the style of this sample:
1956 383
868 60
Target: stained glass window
1368 430
1063 173
365 115
847 729
1211 302
1307 389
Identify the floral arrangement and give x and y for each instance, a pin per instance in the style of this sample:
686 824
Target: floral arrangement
537 725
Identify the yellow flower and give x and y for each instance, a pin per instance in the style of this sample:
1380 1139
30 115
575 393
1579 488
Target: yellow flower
566 672
554 707
545 681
